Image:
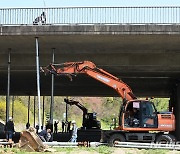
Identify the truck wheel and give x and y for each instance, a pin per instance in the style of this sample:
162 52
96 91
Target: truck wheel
165 138
116 137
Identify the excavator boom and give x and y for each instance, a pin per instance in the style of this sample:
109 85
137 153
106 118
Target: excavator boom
89 68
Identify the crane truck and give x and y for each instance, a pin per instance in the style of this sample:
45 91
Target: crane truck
138 119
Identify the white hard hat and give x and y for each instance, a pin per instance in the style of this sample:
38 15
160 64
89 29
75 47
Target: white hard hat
73 122
10 118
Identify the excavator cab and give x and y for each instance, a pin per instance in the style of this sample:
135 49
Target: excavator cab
140 114
90 121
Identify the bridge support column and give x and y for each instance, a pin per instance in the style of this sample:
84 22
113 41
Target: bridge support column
175 103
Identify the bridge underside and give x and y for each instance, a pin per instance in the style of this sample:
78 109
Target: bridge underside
146 57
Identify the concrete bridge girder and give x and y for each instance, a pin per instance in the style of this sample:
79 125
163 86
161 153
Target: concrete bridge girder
148 54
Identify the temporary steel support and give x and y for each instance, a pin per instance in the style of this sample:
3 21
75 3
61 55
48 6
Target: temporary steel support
66 114
29 99
38 84
34 111
52 91
43 113
8 85
13 107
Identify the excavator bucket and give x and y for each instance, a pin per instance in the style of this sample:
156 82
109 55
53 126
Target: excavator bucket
30 141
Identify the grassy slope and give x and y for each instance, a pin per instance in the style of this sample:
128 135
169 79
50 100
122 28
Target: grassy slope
96 150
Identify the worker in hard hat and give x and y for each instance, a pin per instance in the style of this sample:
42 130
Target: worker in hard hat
74 131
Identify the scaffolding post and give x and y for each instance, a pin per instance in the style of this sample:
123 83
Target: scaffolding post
8 86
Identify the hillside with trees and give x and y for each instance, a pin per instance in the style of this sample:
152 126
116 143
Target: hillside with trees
106 108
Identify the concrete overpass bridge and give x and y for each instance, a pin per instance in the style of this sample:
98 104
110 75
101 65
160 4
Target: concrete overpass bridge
146 54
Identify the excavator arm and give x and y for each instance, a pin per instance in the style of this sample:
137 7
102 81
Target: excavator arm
85 111
89 68
71 102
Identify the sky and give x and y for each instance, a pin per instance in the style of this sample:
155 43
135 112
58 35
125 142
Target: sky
98 3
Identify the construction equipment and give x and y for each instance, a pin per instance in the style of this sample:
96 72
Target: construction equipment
138 119
89 119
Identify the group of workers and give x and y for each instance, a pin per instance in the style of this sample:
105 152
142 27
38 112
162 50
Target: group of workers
45 135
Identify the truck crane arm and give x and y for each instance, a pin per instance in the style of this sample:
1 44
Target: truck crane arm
89 68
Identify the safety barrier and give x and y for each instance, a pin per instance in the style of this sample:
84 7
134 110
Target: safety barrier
170 146
90 15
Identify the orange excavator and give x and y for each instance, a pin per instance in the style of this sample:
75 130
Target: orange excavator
138 119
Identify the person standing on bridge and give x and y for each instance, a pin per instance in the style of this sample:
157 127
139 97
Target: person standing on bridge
40 20
43 17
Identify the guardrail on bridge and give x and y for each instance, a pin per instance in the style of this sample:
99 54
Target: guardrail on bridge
90 15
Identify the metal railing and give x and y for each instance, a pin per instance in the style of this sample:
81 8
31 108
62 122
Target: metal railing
90 15
167 146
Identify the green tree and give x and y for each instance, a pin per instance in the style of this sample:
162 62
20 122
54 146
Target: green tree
3 110
161 104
